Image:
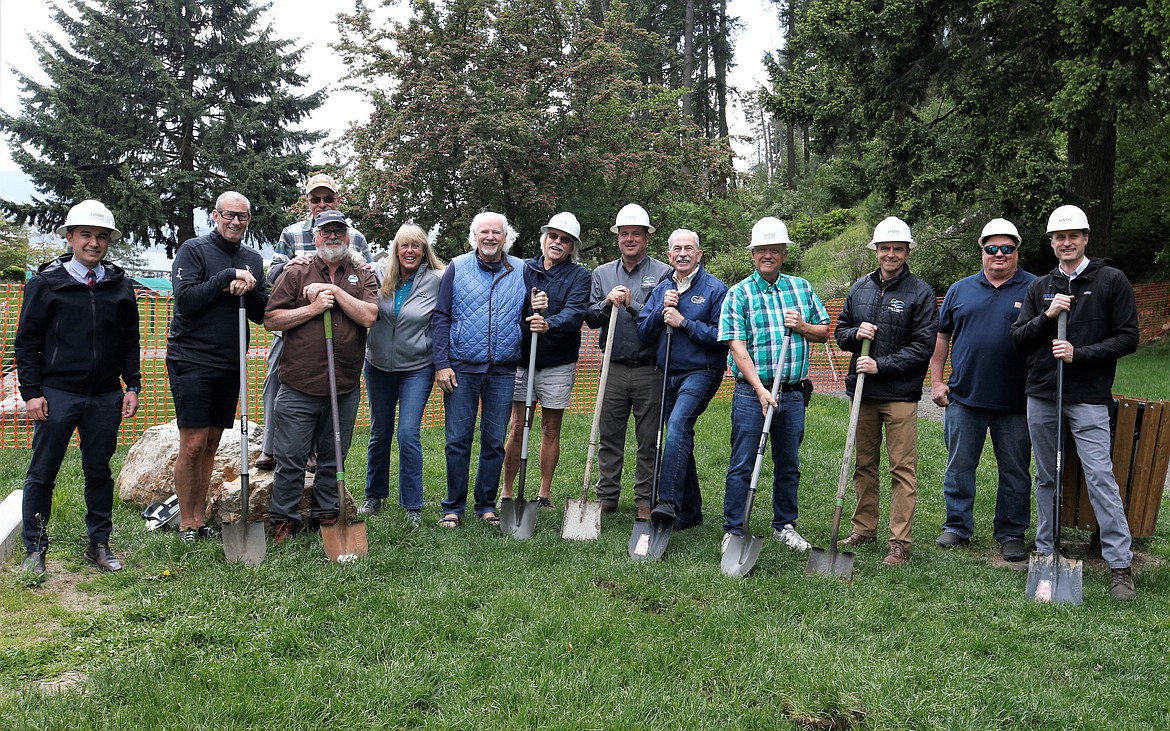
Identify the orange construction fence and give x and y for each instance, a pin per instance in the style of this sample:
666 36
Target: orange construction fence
828 365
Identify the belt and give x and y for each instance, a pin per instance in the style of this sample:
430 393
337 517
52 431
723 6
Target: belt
635 363
784 387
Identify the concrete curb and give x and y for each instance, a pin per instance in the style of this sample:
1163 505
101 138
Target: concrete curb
10 521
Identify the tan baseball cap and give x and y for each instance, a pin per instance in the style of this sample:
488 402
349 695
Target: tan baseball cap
321 180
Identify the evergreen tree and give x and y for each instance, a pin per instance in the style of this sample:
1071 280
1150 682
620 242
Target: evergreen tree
155 108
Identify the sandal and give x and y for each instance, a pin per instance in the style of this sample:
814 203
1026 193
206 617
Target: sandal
491 518
450 521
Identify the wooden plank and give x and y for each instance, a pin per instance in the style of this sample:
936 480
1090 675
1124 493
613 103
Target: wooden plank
1145 495
1128 412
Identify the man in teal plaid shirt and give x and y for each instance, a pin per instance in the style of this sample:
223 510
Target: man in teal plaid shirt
756 315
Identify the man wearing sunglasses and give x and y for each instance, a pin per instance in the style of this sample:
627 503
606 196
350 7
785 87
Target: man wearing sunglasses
321 194
210 274
985 393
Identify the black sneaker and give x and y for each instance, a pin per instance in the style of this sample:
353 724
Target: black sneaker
663 513
370 506
34 563
207 533
951 540
1013 550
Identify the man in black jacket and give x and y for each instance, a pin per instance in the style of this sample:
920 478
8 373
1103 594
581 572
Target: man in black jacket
210 274
1102 327
897 313
77 336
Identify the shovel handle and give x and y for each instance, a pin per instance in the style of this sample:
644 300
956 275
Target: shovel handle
595 430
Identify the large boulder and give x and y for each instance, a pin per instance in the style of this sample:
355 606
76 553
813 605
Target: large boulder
226 500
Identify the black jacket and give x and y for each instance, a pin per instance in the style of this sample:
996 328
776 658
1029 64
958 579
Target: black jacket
204 329
1102 327
906 314
567 286
77 339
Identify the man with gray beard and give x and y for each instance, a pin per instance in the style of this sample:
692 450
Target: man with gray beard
333 280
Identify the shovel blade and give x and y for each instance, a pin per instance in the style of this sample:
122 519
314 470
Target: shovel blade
518 518
741 555
244 543
1054 579
649 539
345 542
581 520
830 562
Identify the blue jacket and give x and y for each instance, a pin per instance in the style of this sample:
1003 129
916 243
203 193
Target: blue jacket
478 315
696 344
567 286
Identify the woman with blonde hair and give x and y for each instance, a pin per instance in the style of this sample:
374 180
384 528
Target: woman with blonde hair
400 369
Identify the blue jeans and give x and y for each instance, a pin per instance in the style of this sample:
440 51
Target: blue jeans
96 420
687 396
1089 424
786 434
491 394
964 431
409 391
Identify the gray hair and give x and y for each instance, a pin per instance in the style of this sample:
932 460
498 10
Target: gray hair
681 231
231 194
510 234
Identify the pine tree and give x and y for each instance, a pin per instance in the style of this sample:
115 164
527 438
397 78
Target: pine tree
156 108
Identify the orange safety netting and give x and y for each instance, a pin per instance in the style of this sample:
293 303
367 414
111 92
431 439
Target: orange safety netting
828 365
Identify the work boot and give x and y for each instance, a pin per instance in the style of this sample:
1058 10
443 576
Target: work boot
370 506
1014 550
1123 587
34 563
855 539
950 539
100 555
898 555
266 462
643 513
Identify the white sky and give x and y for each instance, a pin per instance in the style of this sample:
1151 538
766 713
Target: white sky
304 21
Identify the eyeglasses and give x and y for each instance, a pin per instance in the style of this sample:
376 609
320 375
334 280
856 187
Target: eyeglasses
234 215
322 199
333 232
554 236
992 249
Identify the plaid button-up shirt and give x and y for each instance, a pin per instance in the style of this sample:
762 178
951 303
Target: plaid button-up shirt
753 312
299 237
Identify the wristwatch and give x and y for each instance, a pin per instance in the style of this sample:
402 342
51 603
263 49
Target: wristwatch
134 389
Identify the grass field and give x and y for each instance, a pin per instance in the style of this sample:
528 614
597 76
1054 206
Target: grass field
469 629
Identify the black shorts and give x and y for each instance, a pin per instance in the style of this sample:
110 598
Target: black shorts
204 397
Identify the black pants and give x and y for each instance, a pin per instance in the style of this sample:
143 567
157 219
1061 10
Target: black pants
96 420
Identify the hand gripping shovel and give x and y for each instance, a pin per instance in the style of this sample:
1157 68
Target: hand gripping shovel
833 562
582 518
518 517
742 551
244 542
1052 577
650 538
344 541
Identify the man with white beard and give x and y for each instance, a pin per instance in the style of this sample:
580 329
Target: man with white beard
334 280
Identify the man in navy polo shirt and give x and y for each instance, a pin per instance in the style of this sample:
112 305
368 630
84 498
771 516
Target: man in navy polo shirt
985 393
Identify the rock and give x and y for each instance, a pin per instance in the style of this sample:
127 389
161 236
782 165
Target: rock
147 474
226 500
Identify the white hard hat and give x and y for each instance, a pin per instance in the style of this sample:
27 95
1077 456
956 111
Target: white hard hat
632 215
999 227
890 230
769 230
566 222
1068 218
90 213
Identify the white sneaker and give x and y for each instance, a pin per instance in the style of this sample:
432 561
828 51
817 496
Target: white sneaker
723 545
789 537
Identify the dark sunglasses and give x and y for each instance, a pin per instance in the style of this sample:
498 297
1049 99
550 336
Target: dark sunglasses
322 199
992 249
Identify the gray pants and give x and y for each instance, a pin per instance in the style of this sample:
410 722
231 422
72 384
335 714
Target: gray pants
1090 430
303 424
271 386
637 390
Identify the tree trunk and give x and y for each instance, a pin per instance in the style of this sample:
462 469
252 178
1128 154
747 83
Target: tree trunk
722 60
790 155
1092 155
688 61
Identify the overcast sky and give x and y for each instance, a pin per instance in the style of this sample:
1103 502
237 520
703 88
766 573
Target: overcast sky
303 21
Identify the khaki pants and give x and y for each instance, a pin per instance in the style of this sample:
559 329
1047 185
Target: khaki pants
637 390
900 419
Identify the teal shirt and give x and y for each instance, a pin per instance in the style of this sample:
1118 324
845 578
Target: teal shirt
402 292
753 312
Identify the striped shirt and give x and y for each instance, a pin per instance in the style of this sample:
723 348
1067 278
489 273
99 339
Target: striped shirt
753 312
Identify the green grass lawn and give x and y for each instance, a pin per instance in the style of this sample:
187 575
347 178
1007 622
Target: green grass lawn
470 629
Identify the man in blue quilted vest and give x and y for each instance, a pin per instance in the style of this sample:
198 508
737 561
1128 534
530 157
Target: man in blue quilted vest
476 330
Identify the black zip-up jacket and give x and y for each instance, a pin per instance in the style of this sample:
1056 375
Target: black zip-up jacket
77 339
1102 327
567 286
204 329
906 314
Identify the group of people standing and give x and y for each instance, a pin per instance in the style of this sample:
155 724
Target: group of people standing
468 326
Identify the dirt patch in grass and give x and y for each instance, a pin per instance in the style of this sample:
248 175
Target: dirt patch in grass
66 585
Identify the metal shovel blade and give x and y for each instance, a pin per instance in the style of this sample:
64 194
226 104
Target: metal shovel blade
581 520
830 562
345 541
649 539
518 518
1054 580
741 555
244 542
